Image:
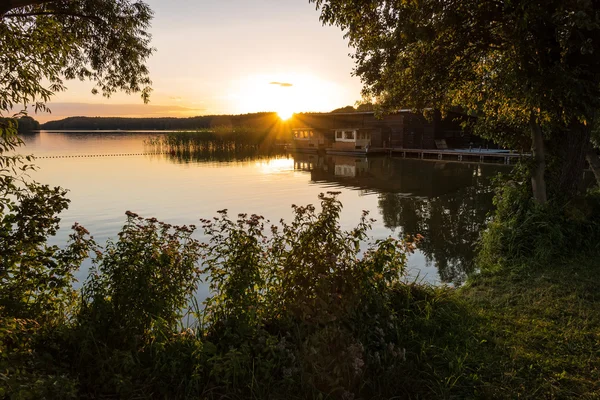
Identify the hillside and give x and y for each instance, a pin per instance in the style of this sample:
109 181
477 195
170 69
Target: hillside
262 121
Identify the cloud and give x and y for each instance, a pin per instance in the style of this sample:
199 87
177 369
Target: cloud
282 84
176 98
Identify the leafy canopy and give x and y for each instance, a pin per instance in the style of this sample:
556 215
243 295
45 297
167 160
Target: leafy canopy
500 59
46 42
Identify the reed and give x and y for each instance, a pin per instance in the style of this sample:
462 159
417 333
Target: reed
217 144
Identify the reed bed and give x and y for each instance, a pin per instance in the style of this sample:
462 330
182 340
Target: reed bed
218 144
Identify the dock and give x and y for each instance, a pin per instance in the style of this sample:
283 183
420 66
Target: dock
474 155
457 155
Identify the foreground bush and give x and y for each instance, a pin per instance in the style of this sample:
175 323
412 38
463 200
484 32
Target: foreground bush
298 310
302 309
525 235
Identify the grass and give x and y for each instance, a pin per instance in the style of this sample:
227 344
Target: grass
218 144
538 330
216 138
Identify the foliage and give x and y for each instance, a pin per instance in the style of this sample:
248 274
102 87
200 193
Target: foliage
306 275
346 109
494 58
13 167
518 66
27 124
217 144
524 233
35 278
221 138
262 121
145 277
298 310
104 41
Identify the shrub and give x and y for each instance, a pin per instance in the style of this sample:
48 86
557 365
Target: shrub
146 278
302 309
308 290
37 299
524 233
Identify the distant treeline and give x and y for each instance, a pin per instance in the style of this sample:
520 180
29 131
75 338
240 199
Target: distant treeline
366 107
265 121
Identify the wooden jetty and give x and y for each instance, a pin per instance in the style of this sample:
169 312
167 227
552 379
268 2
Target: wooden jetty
474 155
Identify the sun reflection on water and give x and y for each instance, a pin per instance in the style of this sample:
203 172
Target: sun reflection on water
276 166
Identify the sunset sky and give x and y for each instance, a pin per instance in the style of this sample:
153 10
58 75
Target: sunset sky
231 57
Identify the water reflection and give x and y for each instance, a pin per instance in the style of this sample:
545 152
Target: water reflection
227 154
447 203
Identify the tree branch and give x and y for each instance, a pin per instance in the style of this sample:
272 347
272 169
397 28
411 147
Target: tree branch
7 5
33 14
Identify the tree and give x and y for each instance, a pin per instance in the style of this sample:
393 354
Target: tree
528 67
27 124
347 109
45 42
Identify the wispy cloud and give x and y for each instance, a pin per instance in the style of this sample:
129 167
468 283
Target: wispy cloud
176 98
282 84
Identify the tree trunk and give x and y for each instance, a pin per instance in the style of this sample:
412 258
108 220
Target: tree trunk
570 150
538 181
594 161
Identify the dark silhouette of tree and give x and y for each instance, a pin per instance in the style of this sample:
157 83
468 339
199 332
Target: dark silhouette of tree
264 121
530 66
45 42
347 109
27 124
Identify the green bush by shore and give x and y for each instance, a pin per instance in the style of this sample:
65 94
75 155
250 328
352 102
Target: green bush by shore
295 314
297 310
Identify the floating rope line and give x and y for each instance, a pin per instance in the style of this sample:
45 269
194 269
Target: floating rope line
103 155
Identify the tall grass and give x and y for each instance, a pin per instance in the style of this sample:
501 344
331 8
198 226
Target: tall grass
215 138
218 144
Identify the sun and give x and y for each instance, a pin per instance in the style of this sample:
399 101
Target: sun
285 94
285 114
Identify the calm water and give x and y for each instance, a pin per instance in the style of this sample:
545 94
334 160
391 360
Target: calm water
445 202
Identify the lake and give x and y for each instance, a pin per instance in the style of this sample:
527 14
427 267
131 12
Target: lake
446 202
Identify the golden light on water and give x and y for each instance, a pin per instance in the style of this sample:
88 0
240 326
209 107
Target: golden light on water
276 166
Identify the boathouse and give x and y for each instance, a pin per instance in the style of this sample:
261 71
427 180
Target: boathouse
354 140
309 139
354 131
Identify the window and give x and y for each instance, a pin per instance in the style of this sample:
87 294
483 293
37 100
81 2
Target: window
312 134
339 134
349 135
